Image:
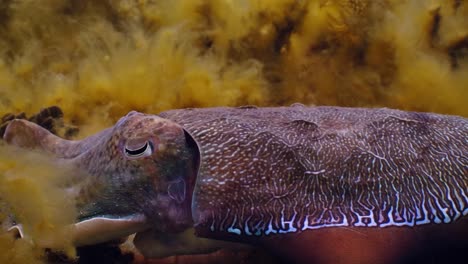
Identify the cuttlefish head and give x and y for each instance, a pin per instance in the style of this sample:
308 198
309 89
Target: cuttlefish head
140 175
145 171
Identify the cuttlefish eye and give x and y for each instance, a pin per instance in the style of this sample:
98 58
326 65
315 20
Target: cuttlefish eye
138 148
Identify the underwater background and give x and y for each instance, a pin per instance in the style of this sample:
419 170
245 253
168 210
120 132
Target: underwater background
99 59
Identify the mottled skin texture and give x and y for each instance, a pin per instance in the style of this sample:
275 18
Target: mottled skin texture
323 184
328 175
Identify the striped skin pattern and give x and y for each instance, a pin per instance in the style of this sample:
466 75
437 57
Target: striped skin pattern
269 171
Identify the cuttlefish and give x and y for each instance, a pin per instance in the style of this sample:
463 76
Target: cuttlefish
311 184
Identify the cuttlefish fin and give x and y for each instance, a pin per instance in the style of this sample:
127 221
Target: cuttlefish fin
103 229
27 134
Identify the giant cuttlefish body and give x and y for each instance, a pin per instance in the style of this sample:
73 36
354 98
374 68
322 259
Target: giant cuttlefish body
324 184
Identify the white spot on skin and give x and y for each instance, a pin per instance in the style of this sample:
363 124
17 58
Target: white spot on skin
315 172
234 230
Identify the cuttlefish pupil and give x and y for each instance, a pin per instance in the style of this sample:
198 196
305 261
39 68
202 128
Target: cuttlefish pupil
138 149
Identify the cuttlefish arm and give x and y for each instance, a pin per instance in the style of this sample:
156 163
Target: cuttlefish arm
153 244
136 175
104 229
95 230
25 134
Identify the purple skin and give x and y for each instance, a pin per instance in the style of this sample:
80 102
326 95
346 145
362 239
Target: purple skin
132 176
297 168
312 183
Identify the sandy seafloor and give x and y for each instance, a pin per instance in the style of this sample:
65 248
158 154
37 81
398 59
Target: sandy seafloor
97 60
